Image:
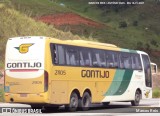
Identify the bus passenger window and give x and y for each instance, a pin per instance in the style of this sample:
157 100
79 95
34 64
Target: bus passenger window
85 57
136 62
61 57
109 59
98 57
72 57
125 60
81 59
112 59
55 56
102 59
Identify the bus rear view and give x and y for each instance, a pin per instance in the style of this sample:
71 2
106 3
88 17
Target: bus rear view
26 80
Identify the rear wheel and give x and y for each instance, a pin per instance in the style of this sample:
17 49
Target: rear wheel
72 106
85 101
137 99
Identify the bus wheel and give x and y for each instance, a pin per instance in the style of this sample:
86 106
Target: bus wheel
72 106
106 103
85 102
137 99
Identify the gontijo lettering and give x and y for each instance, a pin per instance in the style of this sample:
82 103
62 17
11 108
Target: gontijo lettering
24 65
95 74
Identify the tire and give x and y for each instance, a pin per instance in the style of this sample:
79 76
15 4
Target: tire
106 103
137 99
73 105
85 102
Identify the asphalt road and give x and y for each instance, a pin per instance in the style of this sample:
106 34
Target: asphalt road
146 108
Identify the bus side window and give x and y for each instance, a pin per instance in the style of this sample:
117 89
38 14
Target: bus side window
102 59
116 59
85 57
54 54
133 58
81 59
112 59
109 59
96 58
136 62
125 60
72 56
61 57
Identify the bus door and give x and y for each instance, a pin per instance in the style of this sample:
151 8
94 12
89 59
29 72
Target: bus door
147 75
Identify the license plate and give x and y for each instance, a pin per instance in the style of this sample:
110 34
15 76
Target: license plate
23 95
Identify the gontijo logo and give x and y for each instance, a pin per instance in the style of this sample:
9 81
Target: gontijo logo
24 48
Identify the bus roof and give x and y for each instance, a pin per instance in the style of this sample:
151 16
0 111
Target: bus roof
80 43
92 43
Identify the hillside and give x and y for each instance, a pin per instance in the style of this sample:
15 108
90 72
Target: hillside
132 26
13 23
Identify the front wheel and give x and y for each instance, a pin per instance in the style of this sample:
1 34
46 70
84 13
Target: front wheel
137 99
72 106
85 102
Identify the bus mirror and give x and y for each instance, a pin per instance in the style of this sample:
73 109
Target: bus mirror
153 68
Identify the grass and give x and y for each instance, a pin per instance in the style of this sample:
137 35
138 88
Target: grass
156 93
1 93
38 7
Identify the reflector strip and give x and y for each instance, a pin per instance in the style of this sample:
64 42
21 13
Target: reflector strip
23 70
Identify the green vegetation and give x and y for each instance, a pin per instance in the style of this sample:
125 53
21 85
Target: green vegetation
36 8
156 93
134 27
145 17
1 93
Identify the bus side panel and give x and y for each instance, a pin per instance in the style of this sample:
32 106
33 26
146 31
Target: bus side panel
124 86
59 92
65 79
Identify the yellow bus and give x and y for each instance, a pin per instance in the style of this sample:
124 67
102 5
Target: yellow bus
44 71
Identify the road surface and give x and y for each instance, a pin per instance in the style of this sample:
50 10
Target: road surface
147 108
